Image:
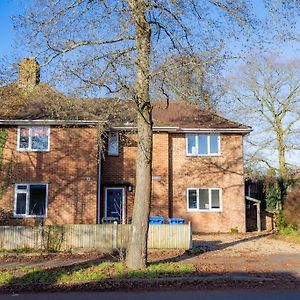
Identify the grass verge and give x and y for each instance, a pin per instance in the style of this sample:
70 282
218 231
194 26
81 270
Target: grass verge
288 234
25 250
90 273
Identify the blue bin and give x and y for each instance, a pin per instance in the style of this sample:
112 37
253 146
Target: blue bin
156 220
175 221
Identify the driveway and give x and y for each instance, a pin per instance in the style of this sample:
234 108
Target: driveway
246 253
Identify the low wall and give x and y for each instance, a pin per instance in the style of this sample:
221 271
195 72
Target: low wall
102 236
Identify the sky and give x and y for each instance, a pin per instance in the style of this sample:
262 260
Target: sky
7 33
8 8
8 36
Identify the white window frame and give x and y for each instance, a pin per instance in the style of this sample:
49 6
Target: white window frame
123 202
209 199
109 152
29 149
26 215
208 135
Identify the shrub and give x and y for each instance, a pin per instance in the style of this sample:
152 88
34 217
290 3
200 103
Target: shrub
52 238
234 230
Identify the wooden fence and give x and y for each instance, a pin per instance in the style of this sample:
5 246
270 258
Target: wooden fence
104 236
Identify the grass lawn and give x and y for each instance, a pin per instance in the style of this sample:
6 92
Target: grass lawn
288 234
90 272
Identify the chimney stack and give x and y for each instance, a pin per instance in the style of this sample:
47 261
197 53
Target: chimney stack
29 72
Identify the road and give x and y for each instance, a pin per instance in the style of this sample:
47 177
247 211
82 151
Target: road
161 295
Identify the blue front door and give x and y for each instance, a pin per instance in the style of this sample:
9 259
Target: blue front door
114 203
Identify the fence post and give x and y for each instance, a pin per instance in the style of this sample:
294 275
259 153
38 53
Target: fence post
190 243
115 235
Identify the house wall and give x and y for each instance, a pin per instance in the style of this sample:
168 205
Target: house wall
174 172
224 171
119 171
70 169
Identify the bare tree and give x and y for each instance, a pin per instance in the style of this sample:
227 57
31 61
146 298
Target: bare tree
189 77
266 94
115 47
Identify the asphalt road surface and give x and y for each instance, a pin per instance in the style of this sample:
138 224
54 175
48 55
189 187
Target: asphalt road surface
173 295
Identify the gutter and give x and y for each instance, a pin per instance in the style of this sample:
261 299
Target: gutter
188 130
175 129
50 122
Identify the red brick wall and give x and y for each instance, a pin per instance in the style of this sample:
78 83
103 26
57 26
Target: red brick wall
174 172
224 171
120 171
70 169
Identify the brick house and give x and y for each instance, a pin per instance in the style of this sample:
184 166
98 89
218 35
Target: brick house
53 168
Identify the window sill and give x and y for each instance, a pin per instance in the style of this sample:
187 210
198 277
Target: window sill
28 217
204 155
205 210
32 150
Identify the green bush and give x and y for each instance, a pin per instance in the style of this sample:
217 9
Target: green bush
234 230
280 220
288 230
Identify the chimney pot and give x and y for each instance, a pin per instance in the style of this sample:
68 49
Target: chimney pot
29 72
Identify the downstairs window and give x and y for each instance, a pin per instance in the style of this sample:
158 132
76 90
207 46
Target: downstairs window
204 199
30 200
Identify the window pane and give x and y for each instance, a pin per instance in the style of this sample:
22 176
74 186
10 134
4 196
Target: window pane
203 199
114 203
40 143
39 138
37 201
202 144
191 146
215 199
21 204
24 138
113 144
192 196
22 187
214 144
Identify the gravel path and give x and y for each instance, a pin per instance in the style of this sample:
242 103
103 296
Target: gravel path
240 244
246 253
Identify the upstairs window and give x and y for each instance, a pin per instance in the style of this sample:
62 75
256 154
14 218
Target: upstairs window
113 144
204 199
202 144
33 138
30 200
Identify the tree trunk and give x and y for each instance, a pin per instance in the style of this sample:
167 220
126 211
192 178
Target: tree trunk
282 162
281 153
137 250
